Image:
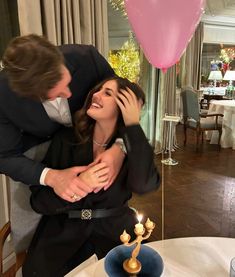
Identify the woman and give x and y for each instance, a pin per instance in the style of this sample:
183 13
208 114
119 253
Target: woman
69 233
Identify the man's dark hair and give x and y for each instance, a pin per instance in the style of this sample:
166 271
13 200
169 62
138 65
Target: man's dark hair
33 66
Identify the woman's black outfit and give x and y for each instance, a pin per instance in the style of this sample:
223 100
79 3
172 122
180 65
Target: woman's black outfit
62 241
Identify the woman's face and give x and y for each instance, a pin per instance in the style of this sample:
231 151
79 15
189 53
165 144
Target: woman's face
103 105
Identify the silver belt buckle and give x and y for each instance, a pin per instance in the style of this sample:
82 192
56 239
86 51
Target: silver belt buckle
86 214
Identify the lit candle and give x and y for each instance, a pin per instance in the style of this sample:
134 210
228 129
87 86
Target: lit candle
149 224
124 237
139 227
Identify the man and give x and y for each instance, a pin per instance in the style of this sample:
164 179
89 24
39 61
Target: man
41 86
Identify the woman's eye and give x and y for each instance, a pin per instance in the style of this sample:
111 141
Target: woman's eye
107 93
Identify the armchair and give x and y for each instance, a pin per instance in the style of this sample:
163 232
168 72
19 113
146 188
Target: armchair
195 120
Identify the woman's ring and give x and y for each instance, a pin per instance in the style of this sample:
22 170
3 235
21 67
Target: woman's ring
74 197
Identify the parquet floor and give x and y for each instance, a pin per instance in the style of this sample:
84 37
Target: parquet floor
199 192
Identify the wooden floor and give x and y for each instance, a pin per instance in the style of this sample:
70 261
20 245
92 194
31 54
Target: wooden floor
199 192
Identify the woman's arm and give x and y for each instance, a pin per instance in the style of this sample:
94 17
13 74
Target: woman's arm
142 172
143 175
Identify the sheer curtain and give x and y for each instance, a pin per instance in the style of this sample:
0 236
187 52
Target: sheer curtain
190 63
66 21
168 100
160 89
149 80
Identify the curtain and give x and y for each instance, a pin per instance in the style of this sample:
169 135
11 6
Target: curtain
66 21
30 17
190 63
168 100
160 90
9 23
149 79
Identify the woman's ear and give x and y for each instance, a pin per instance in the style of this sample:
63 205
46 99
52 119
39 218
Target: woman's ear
140 104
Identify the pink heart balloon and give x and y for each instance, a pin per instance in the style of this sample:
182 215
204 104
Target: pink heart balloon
164 27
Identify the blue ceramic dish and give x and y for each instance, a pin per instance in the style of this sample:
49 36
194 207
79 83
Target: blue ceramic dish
152 264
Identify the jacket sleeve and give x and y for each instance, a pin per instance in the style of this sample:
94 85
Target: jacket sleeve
43 198
12 161
143 175
58 153
86 57
102 67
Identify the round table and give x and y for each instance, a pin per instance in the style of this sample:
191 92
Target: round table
227 108
182 257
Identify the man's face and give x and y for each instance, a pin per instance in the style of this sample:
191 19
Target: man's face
61 89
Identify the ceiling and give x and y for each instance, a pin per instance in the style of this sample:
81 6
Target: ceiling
220 12
220 8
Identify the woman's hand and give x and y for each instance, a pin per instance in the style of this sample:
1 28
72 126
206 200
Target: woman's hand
96 176
113 158
129 105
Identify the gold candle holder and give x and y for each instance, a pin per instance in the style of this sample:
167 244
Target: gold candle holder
132 265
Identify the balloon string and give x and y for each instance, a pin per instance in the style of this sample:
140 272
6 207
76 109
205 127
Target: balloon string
163 198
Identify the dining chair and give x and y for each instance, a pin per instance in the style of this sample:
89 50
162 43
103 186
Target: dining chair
195 120
5 231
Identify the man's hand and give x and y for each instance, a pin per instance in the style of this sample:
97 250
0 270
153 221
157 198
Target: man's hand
113 158
67 184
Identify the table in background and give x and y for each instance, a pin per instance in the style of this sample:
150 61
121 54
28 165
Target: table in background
214 91
227 108
183 257
210 93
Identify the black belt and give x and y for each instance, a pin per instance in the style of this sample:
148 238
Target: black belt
87 214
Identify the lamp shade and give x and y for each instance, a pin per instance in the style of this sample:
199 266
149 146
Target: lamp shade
229 75
215 75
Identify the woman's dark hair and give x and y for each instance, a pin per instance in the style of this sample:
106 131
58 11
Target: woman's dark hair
33 66
84 125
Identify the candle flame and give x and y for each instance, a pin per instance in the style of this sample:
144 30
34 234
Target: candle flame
139 217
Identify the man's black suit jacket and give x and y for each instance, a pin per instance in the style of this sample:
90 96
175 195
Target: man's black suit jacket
24 123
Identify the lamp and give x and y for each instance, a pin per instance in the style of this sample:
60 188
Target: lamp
229 76
215 75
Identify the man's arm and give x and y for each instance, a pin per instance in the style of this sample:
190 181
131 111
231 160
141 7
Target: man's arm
102 67
20 168
66 183
12 161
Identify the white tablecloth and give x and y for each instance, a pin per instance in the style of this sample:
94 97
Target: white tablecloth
214 90
184 257
227 108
